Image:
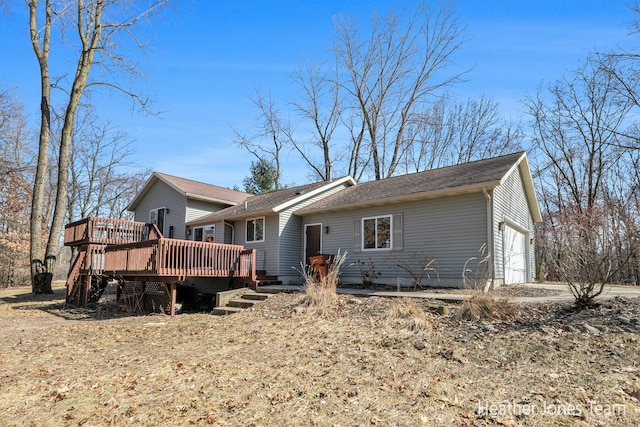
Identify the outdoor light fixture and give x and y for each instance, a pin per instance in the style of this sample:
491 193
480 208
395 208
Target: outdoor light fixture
326 229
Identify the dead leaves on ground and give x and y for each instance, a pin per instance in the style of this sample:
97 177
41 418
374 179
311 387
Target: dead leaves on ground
379 362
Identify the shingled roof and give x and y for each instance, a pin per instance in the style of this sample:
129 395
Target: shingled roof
463 178
192 189
273 202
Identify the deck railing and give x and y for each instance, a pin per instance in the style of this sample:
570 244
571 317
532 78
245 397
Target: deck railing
107 231
179 258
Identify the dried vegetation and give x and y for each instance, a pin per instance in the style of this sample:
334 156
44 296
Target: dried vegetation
483 306
371 361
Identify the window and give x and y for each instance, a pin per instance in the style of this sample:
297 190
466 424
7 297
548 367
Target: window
255 230
204 234
376 232
156 216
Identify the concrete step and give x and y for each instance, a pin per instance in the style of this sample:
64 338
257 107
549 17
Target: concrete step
269 282
241 303
221 311
279 288
256 296
265 278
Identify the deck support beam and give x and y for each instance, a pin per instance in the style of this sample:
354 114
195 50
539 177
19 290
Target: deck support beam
173 292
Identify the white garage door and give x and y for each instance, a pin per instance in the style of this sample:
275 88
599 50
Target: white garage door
515 256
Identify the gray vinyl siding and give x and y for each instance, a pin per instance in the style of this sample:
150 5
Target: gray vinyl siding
291 235
198 208
291 242
219 232
451 230
510 205
267 251
160 195
227 233
224 233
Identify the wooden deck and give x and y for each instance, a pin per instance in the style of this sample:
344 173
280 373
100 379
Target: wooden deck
110 249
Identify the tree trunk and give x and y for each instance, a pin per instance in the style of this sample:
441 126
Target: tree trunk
40 276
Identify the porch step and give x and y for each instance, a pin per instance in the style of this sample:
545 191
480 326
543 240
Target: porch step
260 282
256 296
280 288
240 303
222 311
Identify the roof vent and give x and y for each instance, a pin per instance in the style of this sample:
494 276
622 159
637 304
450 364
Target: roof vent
299 192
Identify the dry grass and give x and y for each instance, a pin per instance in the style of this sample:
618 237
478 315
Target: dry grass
320 292
275 366
487 306
411 315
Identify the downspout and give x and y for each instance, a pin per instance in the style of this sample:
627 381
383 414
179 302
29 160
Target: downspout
233 231
491 278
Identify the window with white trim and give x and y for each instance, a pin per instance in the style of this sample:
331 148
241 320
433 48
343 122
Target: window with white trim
255 230
376 232
205 233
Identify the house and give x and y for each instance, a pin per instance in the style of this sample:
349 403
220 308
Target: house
469 224
170 202
268 223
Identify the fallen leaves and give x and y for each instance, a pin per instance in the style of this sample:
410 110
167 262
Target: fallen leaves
367 363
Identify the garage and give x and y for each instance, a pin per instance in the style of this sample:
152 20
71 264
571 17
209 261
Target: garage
515 256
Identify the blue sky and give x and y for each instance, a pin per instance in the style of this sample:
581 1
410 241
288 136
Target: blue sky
209 56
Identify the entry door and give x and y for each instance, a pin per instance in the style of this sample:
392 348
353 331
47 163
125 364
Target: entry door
515 256
313 241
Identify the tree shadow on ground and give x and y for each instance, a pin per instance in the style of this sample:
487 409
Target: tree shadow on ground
55 304
26 296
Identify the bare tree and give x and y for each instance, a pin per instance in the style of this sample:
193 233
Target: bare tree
101 28
123 187
272 136
320 105
448 134
576 132
624 65
584 250
589 236
15 191
391 73
99 152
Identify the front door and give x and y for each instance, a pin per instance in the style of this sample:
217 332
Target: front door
313 241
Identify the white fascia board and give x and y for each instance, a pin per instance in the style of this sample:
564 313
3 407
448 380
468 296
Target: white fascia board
319 190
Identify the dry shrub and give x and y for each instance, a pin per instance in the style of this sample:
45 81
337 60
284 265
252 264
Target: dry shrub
411 315
321 292
488 306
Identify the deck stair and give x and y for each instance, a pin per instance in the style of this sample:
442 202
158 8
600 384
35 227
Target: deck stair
241 302
262 278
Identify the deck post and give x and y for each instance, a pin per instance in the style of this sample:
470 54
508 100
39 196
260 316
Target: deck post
254 277
86 288
172 287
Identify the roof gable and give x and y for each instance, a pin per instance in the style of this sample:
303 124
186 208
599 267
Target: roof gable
457 179
192 190
273 202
